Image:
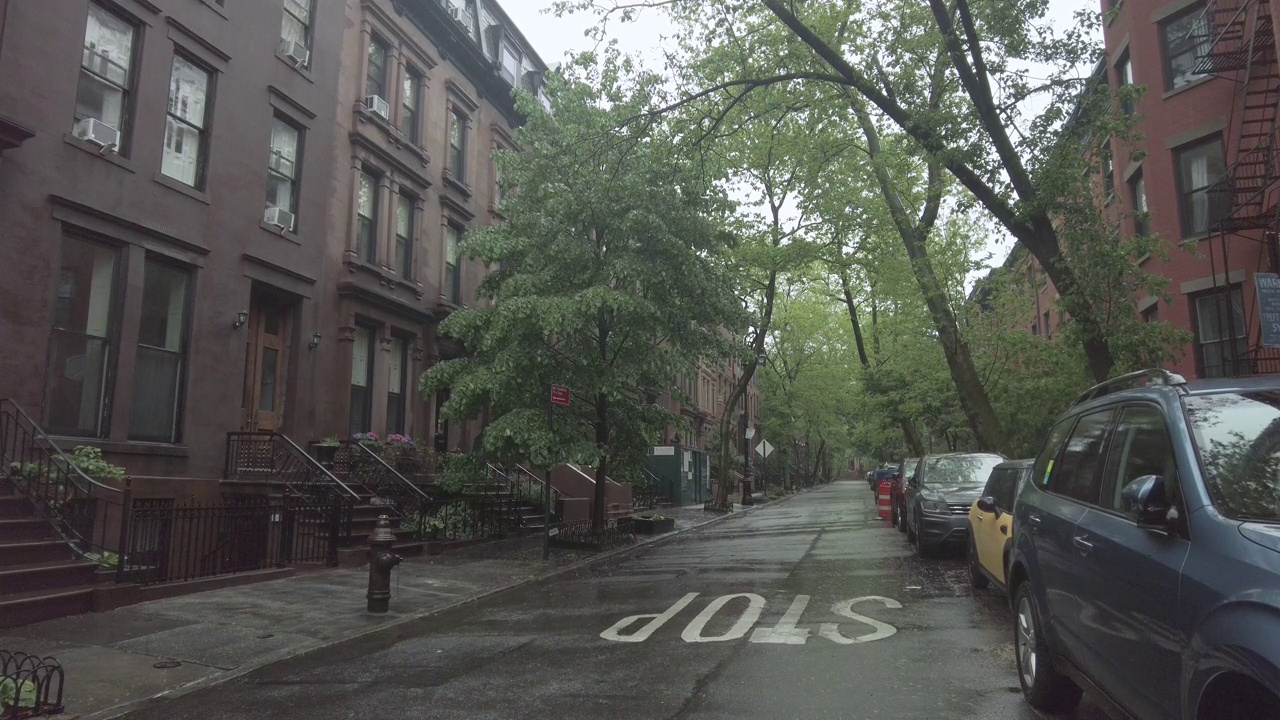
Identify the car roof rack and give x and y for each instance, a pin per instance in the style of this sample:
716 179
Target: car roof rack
1141 378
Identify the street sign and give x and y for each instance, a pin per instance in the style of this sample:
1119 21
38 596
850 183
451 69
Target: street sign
764 448
559 395
1268 285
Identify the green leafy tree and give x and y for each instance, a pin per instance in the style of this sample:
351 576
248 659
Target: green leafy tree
608 277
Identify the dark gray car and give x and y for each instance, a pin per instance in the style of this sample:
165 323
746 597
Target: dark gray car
937 499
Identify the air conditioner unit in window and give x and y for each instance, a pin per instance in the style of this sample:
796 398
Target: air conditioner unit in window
280 218
98 133
378 106
455 14
296 51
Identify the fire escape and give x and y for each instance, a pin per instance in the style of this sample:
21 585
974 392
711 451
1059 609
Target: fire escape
1235 40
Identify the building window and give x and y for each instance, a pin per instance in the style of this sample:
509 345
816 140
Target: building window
1186 39
187 123
362 380
397 381
1124 81
296 26
156 413
441 439
403 260
510 68
1048 327
367 218
452 264
1200 167
1151 314
1108 172
1220 332
82 344
1138 194
106 69
410 108
376 78
458 146
283 168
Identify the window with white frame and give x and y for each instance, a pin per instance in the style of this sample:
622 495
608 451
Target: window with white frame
458 146
186 124
296 27
452 264
1187 39
367 218
403 260
106 69
283 168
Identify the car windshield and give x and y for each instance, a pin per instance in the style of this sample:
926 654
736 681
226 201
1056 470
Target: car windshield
1238 436
963 472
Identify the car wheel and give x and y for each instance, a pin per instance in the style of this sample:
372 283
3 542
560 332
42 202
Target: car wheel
1042 685
923 549
911 533
893 513
976 578
902 519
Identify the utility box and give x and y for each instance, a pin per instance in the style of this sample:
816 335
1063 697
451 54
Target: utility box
683 473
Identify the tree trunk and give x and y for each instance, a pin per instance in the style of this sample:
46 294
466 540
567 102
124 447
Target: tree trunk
599 503
982 418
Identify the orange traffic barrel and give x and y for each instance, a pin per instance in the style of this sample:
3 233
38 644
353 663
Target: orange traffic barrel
884 509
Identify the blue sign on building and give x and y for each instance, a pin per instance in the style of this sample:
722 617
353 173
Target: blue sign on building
1268 285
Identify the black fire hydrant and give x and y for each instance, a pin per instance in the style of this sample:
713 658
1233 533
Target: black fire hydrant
381 561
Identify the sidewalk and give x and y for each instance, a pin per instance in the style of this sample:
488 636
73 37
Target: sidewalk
109 658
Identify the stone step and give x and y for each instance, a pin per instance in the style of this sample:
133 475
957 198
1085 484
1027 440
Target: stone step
16 506
34 551
39 605
15 529
53 575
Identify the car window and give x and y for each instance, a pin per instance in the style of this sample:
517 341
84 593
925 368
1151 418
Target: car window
1001 487
1044 462
1238 438
960 472
1140 446
1078 474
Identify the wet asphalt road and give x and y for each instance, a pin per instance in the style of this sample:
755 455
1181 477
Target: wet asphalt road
921 644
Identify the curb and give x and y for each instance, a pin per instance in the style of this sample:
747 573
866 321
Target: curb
205 683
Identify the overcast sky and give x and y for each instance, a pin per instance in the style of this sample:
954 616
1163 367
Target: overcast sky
552 37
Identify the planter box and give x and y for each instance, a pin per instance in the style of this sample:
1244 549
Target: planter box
651 526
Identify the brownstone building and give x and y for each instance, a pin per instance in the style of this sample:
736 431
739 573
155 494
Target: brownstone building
221 216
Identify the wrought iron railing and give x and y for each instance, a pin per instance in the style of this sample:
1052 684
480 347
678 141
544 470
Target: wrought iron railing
580 534
30 685
273 457
91 516
447 519
365 472
176 542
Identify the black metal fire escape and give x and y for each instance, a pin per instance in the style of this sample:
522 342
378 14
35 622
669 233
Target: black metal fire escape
1236 41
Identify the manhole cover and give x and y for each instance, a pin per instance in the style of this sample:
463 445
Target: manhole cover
167 665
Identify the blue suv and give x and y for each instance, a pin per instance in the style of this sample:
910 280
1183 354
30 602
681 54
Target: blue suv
1146 562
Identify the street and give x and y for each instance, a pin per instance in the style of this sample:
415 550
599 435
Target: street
850 625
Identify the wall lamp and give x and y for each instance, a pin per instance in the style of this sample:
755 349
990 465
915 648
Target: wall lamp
315 342
242 317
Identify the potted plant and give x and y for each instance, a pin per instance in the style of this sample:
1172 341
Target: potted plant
326 451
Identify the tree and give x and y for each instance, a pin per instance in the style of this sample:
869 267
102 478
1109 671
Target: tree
608 276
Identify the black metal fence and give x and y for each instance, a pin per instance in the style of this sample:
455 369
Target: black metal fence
449 519
273 457
580 535
30 686
175 542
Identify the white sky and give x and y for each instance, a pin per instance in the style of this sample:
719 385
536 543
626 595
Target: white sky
553 37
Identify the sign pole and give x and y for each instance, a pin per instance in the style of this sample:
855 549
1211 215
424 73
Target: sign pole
546 490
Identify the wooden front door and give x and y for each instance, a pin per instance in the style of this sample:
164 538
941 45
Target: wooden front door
266 366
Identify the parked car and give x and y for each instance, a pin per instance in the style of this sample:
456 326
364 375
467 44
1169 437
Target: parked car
991 523
884 473
1146 561
905 471
938 496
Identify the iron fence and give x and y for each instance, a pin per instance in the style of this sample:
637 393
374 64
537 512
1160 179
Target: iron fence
90 515
580 535
272 457
30 686
448 519
377 483
176 542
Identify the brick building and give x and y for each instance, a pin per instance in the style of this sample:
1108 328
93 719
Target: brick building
1207 184
224 216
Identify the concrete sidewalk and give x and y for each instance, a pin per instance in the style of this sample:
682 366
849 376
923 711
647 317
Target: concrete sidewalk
110 658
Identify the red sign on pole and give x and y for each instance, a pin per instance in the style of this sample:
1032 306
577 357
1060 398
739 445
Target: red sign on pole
559 395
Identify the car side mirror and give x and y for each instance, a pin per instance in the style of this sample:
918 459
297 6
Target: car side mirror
1147 503
988 505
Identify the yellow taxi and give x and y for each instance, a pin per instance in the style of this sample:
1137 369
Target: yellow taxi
991 523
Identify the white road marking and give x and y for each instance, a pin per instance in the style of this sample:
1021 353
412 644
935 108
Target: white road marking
658 620
749 616
785 632
844 608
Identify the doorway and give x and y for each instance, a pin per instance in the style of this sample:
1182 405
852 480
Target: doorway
267 362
